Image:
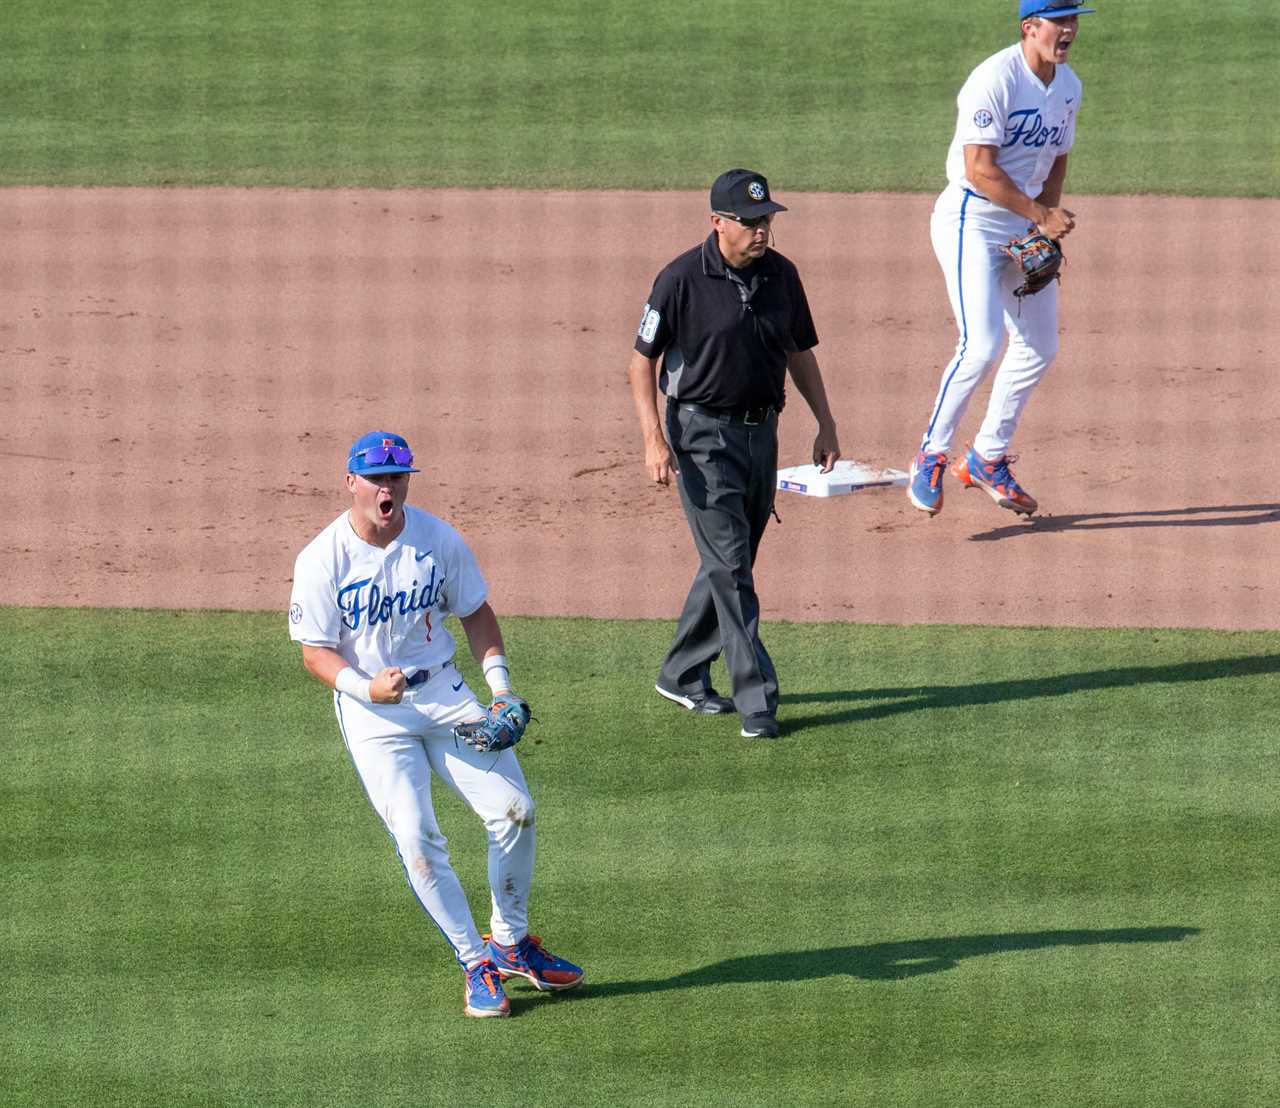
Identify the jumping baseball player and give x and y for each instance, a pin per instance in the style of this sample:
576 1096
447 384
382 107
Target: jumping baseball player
1015 125
370 597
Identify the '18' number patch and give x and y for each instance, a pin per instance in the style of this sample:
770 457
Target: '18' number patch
649 323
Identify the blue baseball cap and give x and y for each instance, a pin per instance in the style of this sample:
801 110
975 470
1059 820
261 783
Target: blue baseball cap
380 452
1051 9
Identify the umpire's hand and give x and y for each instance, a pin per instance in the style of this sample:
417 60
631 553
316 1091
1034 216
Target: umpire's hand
826 448
658 460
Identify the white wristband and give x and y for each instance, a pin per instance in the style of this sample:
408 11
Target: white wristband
351 683
496 673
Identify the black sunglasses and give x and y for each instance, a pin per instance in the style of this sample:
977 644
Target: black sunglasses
749 224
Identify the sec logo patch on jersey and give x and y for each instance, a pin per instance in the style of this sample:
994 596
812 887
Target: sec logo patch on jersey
295 613
982 118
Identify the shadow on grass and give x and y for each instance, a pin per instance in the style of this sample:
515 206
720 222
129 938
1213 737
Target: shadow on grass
1223 515
894 961
920 698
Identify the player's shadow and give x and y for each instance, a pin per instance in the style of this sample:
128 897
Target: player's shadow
891 961
919 698
1222 515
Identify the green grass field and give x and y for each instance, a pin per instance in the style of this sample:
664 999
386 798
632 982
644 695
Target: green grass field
851 95
983 867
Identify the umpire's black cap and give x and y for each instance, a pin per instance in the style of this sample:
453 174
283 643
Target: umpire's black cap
744 193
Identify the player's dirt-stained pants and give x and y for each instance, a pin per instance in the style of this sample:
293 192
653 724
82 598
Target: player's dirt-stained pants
728 477
395 749
967 233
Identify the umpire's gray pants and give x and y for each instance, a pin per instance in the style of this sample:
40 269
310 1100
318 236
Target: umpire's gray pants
728 474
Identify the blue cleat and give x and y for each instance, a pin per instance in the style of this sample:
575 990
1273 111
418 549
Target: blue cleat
925 489
484 993
528 959
993 476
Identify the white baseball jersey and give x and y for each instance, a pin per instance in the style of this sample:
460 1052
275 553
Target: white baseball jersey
1003 104
382 607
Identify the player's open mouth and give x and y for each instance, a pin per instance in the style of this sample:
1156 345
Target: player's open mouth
386 507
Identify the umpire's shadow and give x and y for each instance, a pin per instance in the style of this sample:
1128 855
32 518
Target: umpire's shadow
891 961
919 698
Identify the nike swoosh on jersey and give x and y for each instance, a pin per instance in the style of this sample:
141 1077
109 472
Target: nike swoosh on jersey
457 686
419 557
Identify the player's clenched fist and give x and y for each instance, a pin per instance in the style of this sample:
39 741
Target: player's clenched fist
387 686
1057 222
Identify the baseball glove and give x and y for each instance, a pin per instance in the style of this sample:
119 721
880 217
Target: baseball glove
502 726
1038 258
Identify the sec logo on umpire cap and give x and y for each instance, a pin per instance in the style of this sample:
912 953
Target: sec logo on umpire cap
755 190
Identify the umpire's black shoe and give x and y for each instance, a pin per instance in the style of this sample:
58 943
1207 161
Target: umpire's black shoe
759 727
705 703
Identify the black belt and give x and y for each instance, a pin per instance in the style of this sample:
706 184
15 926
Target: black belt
752 417
421 677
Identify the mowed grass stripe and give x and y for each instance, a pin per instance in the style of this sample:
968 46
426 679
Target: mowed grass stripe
984 866
854 95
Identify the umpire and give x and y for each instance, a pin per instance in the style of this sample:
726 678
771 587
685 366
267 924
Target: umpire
728 318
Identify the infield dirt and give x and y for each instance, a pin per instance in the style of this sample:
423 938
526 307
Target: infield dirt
182 372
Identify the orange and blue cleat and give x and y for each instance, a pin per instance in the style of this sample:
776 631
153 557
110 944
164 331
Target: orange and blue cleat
484 993
994 477
529 959
925 489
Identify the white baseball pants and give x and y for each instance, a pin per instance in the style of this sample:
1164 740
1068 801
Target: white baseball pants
395 749
967 233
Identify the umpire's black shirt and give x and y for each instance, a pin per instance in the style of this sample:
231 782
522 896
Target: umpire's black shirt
725 334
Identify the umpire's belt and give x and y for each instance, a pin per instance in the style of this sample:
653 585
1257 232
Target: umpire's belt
752 417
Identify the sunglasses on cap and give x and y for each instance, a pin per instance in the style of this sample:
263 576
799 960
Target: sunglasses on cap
381 455
749 224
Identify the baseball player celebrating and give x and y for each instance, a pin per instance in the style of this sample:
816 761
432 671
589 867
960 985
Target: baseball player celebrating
370 597
1006 168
